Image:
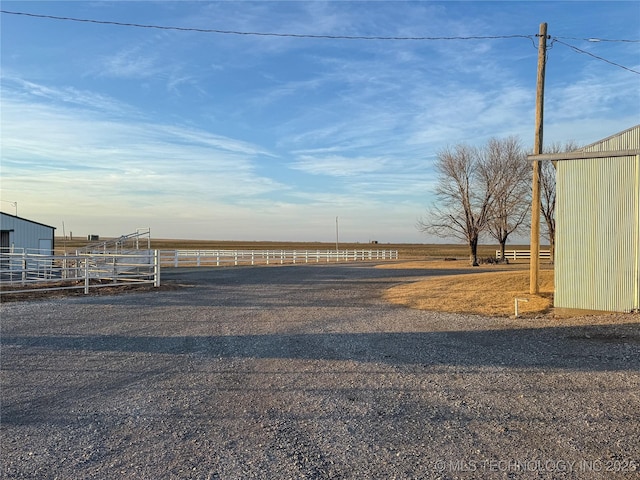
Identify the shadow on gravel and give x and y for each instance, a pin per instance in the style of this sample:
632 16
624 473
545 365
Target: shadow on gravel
294 274
586 348
258 283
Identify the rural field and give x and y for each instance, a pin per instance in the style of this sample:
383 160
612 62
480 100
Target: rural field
405 250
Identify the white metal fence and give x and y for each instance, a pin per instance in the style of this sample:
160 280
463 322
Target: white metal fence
217 258
122 244
28 272
522 254
31 272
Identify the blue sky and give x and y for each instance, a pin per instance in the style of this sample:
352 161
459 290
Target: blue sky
244 137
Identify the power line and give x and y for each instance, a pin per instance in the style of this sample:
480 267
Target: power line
334 37
555 39
263 34
596 40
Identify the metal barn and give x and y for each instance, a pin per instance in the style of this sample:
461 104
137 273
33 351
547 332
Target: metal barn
597 259
21 235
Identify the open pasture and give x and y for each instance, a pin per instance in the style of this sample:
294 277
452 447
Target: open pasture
406 251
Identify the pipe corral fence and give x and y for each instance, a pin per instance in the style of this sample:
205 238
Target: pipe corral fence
30 272
22 272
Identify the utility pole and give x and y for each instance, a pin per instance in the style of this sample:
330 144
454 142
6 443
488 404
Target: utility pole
336 235
15 204
534 265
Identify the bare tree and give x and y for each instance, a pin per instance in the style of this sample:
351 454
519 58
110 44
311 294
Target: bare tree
507 164
464 197
548 191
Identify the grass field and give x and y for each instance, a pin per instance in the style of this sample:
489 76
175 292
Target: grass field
406 251
482 290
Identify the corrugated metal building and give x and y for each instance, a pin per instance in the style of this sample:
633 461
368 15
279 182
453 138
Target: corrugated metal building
597 260
20 234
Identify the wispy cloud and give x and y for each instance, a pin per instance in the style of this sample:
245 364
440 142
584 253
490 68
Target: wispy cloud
15 87
241 136
127 159
595 94
128 63
339 166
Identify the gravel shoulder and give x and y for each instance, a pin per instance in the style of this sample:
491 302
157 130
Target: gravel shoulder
305 372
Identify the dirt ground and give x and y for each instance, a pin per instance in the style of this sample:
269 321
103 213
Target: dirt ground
307 372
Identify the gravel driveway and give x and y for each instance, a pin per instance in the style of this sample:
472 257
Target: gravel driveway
295 372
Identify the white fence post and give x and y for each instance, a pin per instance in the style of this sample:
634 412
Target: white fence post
86 276
156 268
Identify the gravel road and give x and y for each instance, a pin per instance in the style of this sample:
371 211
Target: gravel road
304 372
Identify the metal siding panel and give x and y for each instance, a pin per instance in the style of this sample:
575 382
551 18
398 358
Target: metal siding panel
628 139
6 222
597 240
637 234
26 234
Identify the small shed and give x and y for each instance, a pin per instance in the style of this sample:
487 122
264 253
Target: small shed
21 235
597 257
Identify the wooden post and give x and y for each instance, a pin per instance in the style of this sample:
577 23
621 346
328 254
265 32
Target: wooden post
534 263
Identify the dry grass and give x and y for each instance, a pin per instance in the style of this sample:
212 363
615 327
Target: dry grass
486 293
